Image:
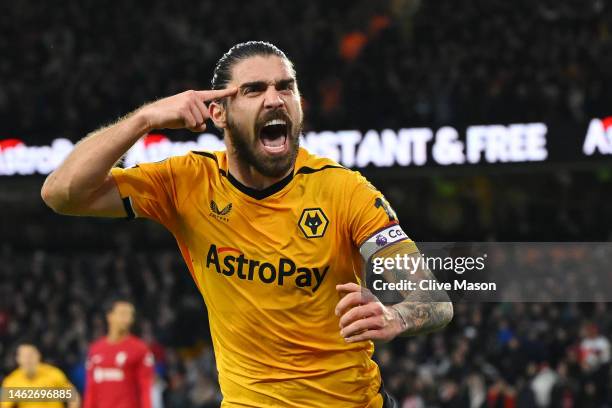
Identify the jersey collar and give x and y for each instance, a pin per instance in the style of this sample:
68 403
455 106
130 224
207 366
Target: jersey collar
222 162
260 194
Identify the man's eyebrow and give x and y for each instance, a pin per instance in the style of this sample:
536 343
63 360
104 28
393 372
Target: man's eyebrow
260 84
285 82
253 84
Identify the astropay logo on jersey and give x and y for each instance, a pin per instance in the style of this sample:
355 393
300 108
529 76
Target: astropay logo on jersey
231 261
599 137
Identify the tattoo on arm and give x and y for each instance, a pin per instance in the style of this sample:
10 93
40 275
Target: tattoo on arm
423 317
421 311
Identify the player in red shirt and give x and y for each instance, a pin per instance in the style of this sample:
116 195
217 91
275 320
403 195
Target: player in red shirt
119 365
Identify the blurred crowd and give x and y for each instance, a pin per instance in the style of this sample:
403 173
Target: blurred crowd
67 70
523 355
491 355
525 206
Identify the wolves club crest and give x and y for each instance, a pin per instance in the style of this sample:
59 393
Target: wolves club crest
313 222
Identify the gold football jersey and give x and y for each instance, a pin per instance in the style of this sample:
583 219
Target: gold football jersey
46 377
267 263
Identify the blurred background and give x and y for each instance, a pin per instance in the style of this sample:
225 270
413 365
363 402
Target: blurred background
364 66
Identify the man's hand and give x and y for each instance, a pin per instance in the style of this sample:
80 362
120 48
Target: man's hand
185 110
364 317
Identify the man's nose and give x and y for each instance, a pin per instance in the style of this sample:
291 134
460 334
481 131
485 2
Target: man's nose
273 99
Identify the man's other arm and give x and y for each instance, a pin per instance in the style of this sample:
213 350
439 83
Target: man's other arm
364 317
422 311
82 184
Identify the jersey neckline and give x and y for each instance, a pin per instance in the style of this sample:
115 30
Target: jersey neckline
260 194
220 158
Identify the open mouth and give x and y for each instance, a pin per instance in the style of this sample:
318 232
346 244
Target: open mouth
273 136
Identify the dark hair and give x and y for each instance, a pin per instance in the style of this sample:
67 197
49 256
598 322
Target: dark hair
223 70
28 341
109 305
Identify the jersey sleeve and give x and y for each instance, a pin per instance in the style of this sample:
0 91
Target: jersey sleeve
148 190
60 379
144 374
373 224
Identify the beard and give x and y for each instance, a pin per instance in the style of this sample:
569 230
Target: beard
247 151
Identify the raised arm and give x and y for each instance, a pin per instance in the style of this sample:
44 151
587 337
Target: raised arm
82 184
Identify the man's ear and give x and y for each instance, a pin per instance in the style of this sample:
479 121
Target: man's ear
217 112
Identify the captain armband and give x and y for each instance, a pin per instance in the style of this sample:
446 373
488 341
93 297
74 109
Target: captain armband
382 239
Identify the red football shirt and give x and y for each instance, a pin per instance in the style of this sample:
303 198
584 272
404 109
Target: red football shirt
119 375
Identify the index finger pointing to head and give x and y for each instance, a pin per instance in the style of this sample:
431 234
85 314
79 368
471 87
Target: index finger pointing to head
216 94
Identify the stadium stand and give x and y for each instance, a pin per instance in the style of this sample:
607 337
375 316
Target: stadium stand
361 65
